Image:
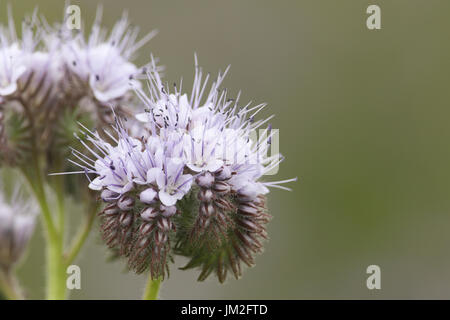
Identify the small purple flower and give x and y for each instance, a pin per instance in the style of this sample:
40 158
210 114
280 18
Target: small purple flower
172 183
12 67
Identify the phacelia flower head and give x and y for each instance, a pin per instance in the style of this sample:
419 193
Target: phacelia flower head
15 53
51 77
103 62
17 220
189 184
12 67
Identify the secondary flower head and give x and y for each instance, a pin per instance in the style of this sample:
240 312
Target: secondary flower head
51 76
17 220
16 53
102 62
11 66
193 176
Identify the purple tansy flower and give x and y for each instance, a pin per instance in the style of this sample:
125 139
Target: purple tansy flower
195 175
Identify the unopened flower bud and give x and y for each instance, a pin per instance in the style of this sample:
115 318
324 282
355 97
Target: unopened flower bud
223 173
249 225
207 209
126 218
110 210
221 187
125 203
248 209
205 195
168 211
223 204
206 180
108 196
247 194
145 228
160 237
17 222
164 224
149 214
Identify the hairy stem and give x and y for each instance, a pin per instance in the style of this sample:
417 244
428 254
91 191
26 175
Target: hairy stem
58 183
56 268
152 289
37 187
56 284
80 237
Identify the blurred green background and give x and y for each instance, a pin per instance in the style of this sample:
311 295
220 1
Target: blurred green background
363 118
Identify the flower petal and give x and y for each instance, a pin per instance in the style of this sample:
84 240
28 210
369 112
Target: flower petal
167 199
147 196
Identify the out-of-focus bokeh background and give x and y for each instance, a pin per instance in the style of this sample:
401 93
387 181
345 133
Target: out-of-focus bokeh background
364 123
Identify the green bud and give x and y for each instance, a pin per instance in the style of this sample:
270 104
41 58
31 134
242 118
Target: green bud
221 234
15 138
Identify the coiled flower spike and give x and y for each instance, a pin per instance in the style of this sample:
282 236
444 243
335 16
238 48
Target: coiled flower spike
189 185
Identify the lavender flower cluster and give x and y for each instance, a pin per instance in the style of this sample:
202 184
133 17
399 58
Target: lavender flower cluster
193 176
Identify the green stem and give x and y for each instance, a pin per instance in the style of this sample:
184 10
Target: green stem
9 286
80 237
59 190
39 192
152 289
56 269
